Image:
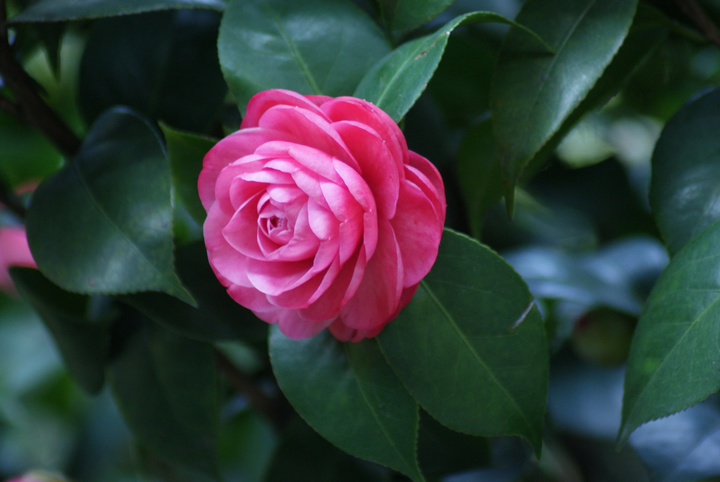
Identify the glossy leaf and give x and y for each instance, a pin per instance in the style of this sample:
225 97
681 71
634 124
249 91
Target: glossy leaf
172 56
350 396
471 346
216 317
396 82
533 91
311 47
186 152
401 16
103 224
81 340
684 446
56 10
166 388
673 360
685 186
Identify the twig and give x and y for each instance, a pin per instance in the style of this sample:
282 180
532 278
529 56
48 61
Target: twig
701 20
269 407
11 202
30 106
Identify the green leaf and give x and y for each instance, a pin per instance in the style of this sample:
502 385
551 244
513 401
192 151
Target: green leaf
685 186
396 82
186 152
166 389
216 317
673 360
103 224
305 456
81 340
401 16
311 47
534 92
56 10
25 155
479 174
172 59
350 396
471 346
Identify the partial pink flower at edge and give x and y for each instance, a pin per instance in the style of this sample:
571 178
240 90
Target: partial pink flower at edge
14 251
319 216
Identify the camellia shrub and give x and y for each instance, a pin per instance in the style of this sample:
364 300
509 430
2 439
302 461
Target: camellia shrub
274 240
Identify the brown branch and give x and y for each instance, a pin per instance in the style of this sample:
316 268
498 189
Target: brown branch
275 410
32 109
11 202
706 26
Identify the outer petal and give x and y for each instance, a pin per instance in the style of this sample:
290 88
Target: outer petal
263 101
418 230
379 292
14 251
294 326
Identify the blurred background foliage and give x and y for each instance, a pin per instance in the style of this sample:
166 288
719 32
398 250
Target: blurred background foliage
582 237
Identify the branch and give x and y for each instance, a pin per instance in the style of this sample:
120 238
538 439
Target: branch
11 201
273 409
701 20
31 108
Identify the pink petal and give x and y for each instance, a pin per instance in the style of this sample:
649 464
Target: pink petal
294 326
263 101
379 292
308 129
353 109
276 277
378 167
418 231
425 176
228 150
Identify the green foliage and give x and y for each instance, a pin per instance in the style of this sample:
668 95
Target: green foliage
103 224
318 46
586 318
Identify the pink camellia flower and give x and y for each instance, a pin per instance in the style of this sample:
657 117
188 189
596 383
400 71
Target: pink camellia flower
14 251
319 215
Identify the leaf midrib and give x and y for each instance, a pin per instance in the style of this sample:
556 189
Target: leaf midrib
476 355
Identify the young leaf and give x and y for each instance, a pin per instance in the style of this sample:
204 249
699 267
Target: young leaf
103 224
350 396
396 82
471 346
186 152
533 91
685 186
166 389
82 342
311 47
172 57
673 361
57 10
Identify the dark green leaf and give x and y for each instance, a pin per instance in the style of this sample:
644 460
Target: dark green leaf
471 346
304 456
103 224
533 91
673 360
55 10
186 152
396 82
81 340
162 64
685 186
166 388
479 174
350 396
311 47
216 317
401 16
